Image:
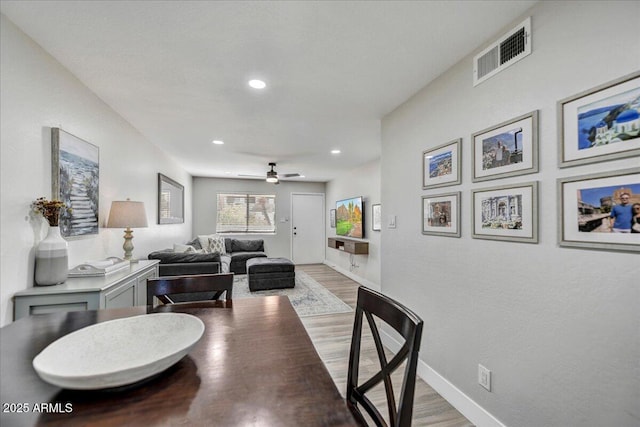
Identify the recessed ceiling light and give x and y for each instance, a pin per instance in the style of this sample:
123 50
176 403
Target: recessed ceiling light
335 151
217 142
257 84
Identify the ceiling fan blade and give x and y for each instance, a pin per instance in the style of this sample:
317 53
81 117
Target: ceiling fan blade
289 175
250 176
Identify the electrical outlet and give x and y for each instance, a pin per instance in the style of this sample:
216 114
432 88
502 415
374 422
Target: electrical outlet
484 377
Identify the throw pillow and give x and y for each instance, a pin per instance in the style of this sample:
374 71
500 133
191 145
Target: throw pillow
183 248
195 243
204 241
216 244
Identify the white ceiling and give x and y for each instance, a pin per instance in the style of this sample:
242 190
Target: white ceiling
178 71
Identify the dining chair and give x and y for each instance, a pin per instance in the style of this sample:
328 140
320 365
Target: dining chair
199 287
409 326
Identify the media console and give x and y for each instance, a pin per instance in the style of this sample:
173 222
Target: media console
351 246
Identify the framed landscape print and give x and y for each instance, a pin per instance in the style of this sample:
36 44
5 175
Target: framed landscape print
441 215
507 149
602 123
75 176
376 223
600 211
441 165
170 201
506 213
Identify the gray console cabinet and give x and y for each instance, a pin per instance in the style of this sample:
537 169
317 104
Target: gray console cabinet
122 288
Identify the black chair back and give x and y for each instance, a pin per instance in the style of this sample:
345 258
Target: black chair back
162 287
409 326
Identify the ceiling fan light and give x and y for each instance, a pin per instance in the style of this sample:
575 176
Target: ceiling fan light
257 84
272 179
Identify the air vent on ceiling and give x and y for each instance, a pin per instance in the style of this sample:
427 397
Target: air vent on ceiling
507 50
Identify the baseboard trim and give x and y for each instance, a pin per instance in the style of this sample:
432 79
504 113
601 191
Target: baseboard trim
354 277
452 394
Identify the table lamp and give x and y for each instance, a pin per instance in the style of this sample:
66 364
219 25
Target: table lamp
129 215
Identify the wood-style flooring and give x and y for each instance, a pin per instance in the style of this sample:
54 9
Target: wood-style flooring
331 335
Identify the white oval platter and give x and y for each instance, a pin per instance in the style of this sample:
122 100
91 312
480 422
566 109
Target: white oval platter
118 352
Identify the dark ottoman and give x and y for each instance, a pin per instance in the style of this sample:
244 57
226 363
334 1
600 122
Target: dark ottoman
270 273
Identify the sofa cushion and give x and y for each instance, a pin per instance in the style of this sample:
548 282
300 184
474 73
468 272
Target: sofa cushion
168 257
247 245
269 265
242 257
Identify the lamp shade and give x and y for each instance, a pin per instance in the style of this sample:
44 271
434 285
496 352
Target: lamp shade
127 214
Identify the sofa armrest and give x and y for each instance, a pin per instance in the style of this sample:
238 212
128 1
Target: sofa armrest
188 268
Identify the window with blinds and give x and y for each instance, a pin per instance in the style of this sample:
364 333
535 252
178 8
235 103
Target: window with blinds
246 213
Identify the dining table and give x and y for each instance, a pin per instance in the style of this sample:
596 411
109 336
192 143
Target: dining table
255 365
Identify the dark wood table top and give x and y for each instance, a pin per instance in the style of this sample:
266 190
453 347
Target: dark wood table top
255 365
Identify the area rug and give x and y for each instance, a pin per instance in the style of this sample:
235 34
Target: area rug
308 297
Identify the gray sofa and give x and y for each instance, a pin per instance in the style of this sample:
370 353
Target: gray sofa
234 261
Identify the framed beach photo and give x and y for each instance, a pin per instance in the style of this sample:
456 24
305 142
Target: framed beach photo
600 211
506 213
75 178
507 149
441 215
602 123
441 165
170 201
376 215
332 218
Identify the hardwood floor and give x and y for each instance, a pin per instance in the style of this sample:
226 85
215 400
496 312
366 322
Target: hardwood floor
331 335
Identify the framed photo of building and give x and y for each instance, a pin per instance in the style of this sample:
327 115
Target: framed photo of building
600 211
170 201
441 215
602 123
507 149
376 215
506 213
441 165
75 178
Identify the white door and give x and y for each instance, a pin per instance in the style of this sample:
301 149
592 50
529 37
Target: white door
307 228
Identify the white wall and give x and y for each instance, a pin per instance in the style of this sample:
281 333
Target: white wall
558 327
205 214
362 181
37 94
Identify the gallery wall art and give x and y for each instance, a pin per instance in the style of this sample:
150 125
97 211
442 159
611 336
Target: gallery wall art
600 211
441 166
506 213
602 123
507 149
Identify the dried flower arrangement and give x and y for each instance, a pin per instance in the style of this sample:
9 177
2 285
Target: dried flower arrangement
50 209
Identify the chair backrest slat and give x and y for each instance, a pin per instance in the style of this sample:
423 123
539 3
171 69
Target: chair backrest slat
409 326
161 287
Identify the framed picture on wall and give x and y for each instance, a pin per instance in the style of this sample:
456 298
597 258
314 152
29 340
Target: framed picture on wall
376 215
507 149
170 201
332 218
602 123
506 213
600 211
75 179
441 215
441 165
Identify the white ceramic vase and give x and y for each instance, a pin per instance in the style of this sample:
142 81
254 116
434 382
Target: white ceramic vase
52 259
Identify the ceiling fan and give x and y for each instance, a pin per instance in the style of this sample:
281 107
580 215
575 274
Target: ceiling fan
273 176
